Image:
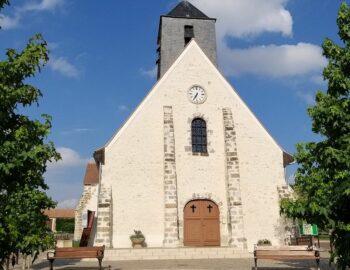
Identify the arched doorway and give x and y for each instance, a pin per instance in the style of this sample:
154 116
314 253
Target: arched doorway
201 223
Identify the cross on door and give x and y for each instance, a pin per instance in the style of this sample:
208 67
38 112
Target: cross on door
209 207
193 207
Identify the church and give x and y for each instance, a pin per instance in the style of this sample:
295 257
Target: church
192 165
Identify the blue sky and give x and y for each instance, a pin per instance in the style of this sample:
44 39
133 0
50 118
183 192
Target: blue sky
102 63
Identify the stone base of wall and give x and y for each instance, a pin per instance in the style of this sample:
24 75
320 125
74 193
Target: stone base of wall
182 253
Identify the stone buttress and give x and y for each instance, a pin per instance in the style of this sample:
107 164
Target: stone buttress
236 228
171 229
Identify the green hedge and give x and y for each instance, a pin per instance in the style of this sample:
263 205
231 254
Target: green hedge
65 225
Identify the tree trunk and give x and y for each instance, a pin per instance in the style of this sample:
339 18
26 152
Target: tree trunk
7 260
24 262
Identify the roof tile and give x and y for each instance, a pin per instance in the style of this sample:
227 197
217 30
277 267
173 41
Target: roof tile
186 10
60 213
91 174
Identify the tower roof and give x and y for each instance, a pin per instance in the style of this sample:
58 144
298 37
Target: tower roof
186 10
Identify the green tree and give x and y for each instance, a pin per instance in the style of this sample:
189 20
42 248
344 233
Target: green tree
24 153
27 230
65 225
323 178
3 3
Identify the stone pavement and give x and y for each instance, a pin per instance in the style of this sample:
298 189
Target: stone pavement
201 264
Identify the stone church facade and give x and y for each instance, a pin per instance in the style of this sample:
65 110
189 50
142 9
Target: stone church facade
192 166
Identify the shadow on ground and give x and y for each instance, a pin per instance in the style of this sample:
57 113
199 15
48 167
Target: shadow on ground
204 264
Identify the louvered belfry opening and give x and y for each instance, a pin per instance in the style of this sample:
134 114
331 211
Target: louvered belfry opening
189 33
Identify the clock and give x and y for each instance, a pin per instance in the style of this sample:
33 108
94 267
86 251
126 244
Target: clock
196 94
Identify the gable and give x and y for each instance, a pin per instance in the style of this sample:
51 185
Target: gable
188 69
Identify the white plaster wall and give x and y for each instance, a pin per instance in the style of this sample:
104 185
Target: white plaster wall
134 157
134 168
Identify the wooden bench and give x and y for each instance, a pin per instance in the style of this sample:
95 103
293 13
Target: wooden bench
76 253
286 253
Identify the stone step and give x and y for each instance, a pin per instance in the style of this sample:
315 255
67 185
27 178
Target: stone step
182 253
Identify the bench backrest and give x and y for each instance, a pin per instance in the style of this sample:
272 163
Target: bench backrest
81 252
285 253
304 240
291 248
275 252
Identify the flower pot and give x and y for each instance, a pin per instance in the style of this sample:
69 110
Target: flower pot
137 242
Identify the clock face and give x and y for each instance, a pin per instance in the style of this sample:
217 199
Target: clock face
197 94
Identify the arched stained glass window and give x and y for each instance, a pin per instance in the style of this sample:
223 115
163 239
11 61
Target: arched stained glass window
199 136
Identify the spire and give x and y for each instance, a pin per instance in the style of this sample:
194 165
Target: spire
186 10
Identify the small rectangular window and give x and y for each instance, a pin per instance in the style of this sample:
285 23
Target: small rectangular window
189 33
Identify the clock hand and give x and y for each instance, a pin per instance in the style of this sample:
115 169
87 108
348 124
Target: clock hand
195 96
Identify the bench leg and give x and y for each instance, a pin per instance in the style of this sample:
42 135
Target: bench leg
51 264
256 263
100 263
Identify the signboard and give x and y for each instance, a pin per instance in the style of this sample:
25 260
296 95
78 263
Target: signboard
309 229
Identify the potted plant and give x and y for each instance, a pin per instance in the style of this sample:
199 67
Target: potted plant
137 239
264 242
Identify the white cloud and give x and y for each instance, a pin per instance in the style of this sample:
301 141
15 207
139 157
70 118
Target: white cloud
250 18
43 5
123 108
274 61
152 73
68 203
77 131
7 22
318 79
244 18
62 66
70 158
308 98
53 45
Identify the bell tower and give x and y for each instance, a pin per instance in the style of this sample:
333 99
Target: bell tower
177 28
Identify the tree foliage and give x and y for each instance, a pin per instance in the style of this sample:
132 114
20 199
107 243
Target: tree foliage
26 230
3 3
65 225
323 177
24 153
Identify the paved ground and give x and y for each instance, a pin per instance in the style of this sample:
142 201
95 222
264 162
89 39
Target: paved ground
202 264
215 264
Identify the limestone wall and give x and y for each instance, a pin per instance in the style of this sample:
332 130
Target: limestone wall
134 159
88 201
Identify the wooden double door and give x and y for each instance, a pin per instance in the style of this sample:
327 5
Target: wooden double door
201 223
